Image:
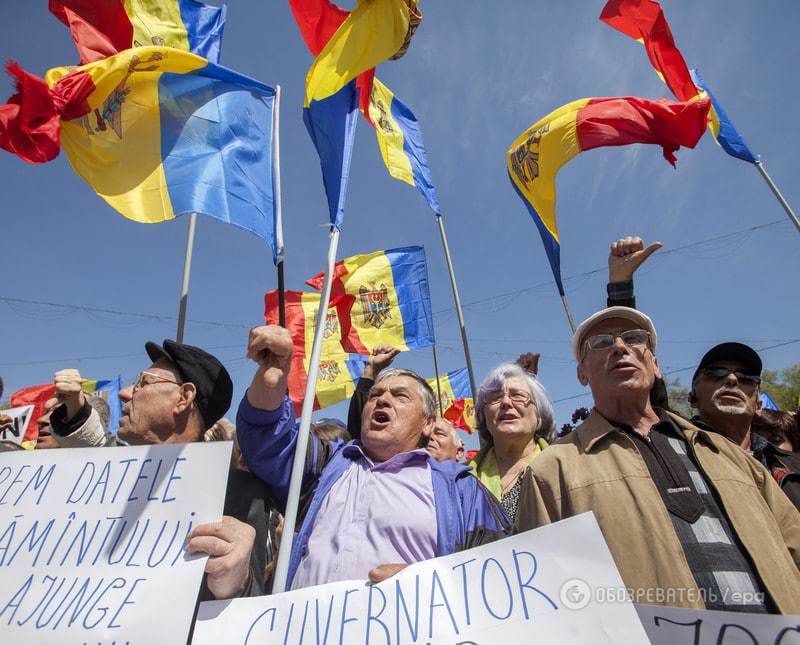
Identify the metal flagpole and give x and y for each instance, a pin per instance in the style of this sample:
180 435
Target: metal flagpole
457 299
187 269
568 312
777 194
276 189
293 500
438 387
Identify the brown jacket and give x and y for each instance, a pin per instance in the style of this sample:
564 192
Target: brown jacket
598 468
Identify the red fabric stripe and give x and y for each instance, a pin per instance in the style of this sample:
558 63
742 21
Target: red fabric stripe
621 121
644 19
99 28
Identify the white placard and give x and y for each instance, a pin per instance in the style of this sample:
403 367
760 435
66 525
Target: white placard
532 587
20 419
677 626
92 541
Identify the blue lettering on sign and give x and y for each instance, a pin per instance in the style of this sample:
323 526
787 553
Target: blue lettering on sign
494 588
436 583
345 619
258 619
327 621
375 617
527 584
465 586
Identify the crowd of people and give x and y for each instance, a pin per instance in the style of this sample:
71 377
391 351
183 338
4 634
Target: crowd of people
699 512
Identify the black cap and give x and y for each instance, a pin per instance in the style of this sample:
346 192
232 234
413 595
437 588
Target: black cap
204 371
737 352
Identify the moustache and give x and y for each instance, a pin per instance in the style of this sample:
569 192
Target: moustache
729 391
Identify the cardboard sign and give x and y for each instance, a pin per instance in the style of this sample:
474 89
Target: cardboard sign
676 626
92 541
16 428
532 587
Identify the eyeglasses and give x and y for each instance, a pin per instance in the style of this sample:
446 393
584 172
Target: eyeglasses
517 396
631 337
719 373
139 383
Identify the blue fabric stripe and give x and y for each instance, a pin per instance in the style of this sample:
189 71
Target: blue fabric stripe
551 247
204 26
331 124
355 365
216 146
414 148
728 136
114 404
410 274
459 382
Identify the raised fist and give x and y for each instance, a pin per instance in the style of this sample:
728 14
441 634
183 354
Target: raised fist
626 255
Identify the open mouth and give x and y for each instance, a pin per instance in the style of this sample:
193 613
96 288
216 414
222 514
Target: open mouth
380 417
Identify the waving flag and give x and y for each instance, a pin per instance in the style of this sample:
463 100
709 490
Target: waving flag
103 28
456 400
382 298
537 155
644 21
142 127
338 372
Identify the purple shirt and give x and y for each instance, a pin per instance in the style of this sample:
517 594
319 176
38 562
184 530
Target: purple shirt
374 514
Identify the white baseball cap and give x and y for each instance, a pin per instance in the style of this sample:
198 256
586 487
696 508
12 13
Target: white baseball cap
626 313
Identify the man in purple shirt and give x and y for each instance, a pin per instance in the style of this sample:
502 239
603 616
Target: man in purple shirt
380 500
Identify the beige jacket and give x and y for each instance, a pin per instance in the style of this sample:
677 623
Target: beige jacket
598 468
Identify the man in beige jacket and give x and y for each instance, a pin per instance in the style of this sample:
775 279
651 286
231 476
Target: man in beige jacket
690 518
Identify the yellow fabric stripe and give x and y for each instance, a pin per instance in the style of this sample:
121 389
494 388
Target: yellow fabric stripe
536 156
157 22
120 156
371 274
88 386
373 32
445 395
389 133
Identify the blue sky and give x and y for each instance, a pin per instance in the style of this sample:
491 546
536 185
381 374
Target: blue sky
476 77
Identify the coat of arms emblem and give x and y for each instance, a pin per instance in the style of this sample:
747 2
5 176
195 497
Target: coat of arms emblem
375 305
329 370
525 159
331 325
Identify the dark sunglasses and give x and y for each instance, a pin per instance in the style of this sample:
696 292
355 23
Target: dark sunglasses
719 373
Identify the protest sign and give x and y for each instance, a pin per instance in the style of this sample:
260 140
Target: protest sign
16 425
678 626
525 588
92 541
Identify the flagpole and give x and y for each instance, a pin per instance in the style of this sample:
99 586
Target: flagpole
777 194
568 312
276 188
457 299
436 371
187 269
293 499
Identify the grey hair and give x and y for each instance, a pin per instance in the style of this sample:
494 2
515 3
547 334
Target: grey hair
494 382
425 391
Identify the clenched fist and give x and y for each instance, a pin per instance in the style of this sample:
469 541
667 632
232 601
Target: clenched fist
228 544
626 255
68 390
380 358
271 347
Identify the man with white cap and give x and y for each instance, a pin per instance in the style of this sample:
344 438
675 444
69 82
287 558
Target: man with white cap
690 519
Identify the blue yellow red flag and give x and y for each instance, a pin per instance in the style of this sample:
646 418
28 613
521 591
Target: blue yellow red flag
103 28
373 32
722 128
400 142
338 371
108 390
537 155
644 21
454 398
382 298
143 126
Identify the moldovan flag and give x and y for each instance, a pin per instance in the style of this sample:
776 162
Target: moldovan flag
537 155
644 21
382 299
457 404
143 126
338 372
103 28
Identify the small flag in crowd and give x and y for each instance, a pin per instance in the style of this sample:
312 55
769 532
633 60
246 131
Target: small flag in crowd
382 299
455 399
537 155
103 28
338 372
644 21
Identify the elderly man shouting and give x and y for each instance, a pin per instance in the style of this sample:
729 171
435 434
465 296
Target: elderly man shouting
690 519
380 500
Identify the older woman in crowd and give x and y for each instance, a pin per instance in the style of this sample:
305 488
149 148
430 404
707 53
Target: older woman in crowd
513 413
